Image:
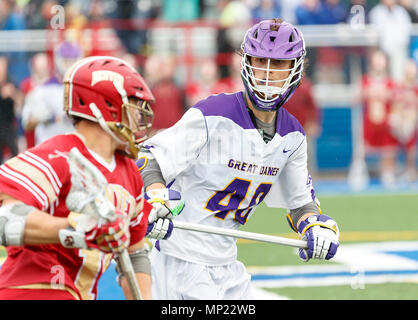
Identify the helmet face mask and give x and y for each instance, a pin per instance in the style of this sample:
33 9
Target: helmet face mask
270 87
108 91
275 42
135 125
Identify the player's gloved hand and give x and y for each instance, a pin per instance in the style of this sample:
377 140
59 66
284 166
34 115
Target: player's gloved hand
160 225
161 229
321 233
95 205
86 232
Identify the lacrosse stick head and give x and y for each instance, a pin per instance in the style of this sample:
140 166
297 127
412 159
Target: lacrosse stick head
88 188
109 91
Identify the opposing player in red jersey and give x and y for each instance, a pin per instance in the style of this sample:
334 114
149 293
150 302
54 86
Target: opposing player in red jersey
109 103
377 90
403 119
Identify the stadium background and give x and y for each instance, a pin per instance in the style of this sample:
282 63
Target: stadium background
185 50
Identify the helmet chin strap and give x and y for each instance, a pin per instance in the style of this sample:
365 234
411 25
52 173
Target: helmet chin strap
252 101
103 123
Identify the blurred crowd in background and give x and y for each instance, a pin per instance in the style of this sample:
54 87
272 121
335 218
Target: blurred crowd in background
31 82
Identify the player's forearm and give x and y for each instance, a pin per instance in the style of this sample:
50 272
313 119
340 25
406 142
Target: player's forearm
297 215
138 253
144 283
156 185
23 224
41 228
152 176
306 215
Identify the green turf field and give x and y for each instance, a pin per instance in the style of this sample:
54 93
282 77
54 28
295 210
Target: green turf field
369 220
388 291
362 219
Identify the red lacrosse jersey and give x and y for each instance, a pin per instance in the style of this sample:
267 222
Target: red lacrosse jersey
40 177
376 103
404 115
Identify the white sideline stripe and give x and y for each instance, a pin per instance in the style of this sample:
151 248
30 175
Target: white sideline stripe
365 263
355 281
260 294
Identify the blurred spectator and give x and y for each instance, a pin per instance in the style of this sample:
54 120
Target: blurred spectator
233 82
288 9
8 123
169 97
403 119
99 42
40 72
180 10
234 13
266 9
207 76
393 25
129 19
332 12
11 19
355 55
43 110
234 20
408 5
208 81
308 12
75 21
38 13
377 88
304 107
349 14
330 59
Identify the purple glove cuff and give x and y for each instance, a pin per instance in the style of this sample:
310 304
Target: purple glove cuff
169 231
149 228
332 250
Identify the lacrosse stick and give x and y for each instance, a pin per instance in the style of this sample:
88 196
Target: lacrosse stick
240 234
87 179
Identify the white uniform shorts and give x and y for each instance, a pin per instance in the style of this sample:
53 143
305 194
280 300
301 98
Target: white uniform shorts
176 279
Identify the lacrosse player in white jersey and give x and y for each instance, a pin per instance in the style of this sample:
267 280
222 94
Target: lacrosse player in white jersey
225 156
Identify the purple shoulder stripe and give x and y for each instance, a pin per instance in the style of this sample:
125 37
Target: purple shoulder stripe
287 123
230 106
233 107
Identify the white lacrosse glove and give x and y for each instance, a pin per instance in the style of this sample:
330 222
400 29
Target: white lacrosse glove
321 234
160 225
89 229
85 232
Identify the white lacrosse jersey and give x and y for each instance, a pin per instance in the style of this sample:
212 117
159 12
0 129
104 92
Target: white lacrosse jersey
46 104
216 158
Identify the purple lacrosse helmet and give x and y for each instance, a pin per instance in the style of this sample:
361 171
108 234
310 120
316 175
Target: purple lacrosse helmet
272 39
65 55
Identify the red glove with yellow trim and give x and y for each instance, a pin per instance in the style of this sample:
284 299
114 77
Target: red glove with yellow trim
86 232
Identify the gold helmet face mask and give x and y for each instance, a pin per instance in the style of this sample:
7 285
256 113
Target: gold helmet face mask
135 126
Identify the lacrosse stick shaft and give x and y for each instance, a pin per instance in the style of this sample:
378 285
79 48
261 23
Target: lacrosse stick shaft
84 173
129 273
241 234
